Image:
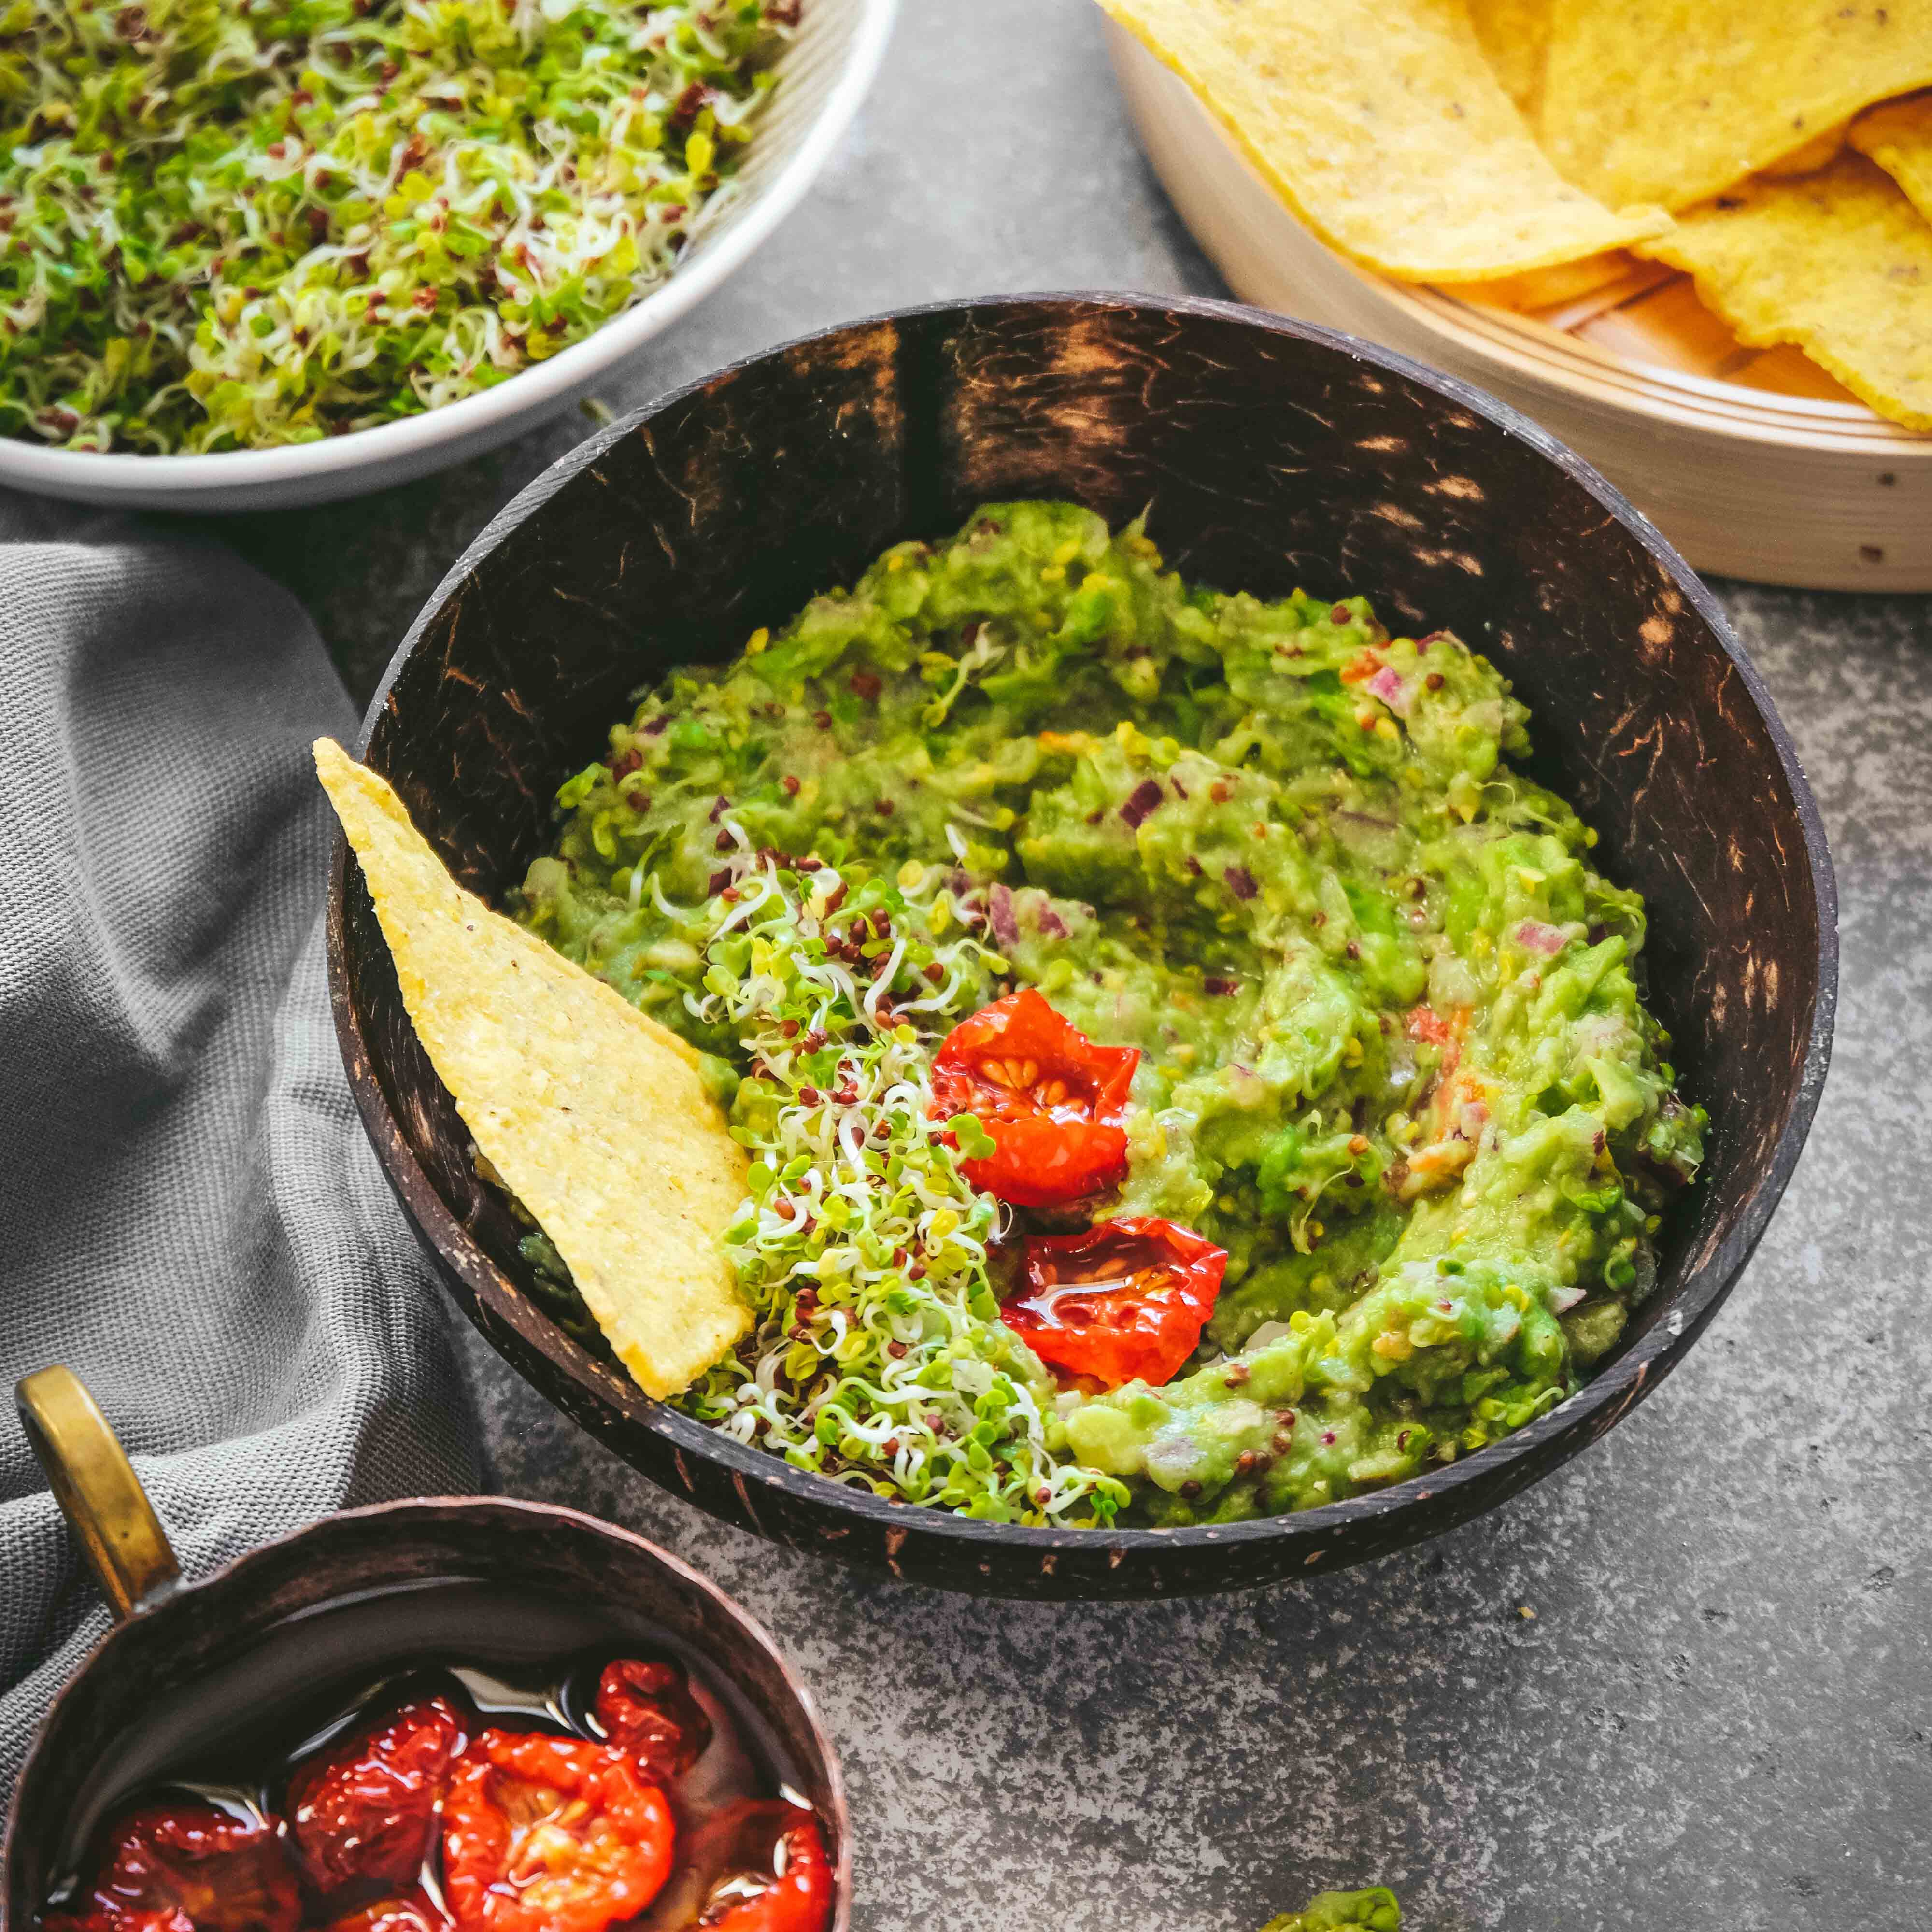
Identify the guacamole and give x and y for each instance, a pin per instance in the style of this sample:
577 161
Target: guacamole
1376 1909
1388 1054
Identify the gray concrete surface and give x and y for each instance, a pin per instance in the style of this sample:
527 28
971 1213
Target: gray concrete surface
1719 1718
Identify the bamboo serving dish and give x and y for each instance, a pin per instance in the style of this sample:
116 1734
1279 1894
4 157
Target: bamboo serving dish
1755 462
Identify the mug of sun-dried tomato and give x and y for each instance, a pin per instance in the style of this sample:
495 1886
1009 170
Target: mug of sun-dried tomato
448 1714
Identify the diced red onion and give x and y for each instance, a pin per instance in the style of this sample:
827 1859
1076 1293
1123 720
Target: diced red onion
1386 684
1240 882
1000 909
1538 937
1144 797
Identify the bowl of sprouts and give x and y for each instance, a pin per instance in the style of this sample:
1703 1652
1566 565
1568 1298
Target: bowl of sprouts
261 253
1124 967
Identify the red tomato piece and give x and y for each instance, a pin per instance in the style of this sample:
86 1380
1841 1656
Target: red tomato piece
772 1873
171 1920
1124 1301
1052 1101
411 1913
543 1834
171 1867
366 1809
648 1709
1425 1023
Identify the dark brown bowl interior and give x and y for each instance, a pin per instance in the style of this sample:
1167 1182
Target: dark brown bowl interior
1268 454
354 1591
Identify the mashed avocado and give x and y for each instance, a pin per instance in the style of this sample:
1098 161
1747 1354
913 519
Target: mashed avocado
1375 1910
1392 1055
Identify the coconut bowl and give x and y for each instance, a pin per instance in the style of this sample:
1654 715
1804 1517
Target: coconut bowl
1267 453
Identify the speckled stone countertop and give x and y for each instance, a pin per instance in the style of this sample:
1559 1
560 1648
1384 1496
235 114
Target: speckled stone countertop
1719 1717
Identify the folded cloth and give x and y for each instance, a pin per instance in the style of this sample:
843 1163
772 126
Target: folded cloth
190 1216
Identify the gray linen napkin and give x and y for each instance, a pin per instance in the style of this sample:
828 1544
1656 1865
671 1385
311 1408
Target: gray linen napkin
190 1216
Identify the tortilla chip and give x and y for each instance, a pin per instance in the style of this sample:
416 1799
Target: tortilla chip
1820 151
1839 263
1379 123
1898 137
1668 328
1674 100
1786 371
1550 288
1515 38
595 1117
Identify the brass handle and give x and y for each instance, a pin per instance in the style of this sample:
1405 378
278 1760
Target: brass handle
96 1488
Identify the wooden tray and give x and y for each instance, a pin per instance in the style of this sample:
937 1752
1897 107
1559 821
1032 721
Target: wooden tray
1754 463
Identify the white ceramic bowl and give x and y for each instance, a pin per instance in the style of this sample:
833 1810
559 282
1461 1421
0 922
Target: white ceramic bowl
823 76
1779 488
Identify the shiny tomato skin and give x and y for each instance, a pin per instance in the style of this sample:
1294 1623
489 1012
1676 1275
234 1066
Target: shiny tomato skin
365 1810
1122 1302
544 1834
770 1833
1425 1024
169 1868
98 1921
1052 1100
412 1913
647 1709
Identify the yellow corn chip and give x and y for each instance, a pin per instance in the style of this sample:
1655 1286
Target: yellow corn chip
595 1116
1898 137
1380 123
1820 151
1674 100
1515 37
1548 288
1786 371
1839 263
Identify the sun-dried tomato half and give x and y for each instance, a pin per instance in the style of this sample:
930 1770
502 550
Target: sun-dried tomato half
1124 1301
765 1869
173 1920
543 1834
647 1707
412 1913
169 1868
1052 1101
366 1808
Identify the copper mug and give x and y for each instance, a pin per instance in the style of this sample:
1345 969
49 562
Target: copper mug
357 1594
